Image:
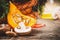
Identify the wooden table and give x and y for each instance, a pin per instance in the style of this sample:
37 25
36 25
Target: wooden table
50 32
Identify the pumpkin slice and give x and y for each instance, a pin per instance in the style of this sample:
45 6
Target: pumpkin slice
15 16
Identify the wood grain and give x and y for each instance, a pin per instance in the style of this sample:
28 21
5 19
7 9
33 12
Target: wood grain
50 32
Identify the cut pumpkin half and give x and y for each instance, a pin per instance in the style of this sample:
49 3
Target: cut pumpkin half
15 16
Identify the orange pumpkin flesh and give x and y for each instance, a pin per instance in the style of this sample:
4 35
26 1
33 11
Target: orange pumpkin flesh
15 16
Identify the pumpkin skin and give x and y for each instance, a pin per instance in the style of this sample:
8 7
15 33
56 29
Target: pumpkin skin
12 17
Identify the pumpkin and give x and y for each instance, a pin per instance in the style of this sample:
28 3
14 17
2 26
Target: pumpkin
15 16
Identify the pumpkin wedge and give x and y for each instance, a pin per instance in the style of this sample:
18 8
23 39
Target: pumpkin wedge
15 16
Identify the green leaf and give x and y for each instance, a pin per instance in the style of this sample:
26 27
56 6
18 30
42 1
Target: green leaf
4 8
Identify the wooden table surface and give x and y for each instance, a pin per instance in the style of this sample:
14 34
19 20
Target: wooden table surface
50 32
